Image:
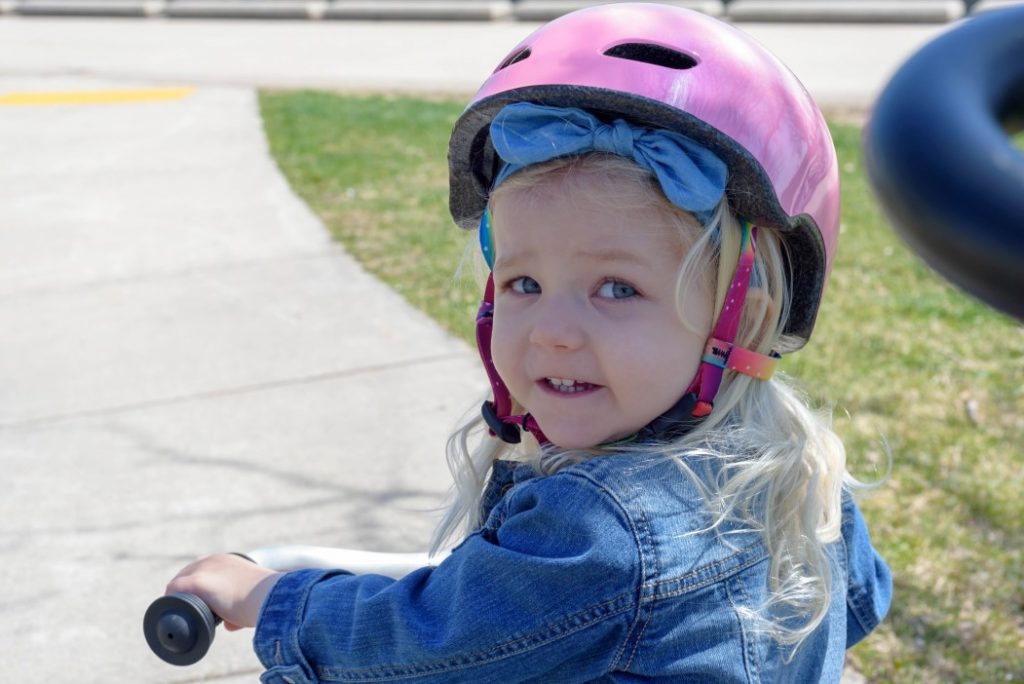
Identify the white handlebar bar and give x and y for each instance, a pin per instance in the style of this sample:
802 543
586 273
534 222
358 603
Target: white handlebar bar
285 558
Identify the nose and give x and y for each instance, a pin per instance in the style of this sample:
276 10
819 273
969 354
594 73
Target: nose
557 324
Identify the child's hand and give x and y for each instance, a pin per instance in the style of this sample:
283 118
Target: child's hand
232 586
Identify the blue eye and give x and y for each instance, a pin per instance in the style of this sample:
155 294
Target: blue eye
525 285
614 289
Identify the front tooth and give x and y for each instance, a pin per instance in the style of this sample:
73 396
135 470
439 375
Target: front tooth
564 384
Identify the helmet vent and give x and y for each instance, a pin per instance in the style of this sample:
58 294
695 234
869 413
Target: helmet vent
652 54
517 56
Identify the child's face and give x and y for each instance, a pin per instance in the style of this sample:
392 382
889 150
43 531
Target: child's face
586 331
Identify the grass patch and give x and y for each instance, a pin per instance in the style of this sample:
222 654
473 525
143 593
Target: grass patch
902 355
374 169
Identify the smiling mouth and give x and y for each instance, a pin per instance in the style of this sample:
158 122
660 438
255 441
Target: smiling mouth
567 385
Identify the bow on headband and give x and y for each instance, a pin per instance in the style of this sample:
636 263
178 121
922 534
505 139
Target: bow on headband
691 176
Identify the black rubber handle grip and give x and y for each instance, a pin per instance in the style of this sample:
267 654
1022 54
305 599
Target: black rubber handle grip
179 628
942 163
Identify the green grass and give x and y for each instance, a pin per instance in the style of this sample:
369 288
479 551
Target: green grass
903 356
374 170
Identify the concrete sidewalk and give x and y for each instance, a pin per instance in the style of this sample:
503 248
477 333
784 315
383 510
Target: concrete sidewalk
843 65
188 364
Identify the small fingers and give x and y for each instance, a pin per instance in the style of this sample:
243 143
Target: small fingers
184 582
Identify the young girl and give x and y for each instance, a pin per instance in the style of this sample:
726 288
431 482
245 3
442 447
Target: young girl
640 500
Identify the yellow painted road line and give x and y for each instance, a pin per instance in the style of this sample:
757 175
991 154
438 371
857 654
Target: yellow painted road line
92 97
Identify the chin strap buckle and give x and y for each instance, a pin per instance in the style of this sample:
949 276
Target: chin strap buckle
728 356
506 432
720 356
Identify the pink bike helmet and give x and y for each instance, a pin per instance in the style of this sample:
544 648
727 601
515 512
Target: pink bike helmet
670 68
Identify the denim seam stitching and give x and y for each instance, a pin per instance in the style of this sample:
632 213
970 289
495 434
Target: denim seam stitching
855 593
750 657
688 588
601 611
293 636
853 600
287 647
619 652
588 477
643 614
722 567
649 609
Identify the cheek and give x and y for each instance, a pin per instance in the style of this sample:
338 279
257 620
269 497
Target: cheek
504 347
697 311
687 350
665 358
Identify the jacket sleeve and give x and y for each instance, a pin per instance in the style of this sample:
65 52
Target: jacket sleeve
547 590
869 584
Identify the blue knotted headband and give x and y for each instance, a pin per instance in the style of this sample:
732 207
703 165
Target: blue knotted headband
691 176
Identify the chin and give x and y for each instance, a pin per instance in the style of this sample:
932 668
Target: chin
573 445
573 439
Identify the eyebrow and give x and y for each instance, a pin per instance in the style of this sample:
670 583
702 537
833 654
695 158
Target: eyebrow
598 255
612 254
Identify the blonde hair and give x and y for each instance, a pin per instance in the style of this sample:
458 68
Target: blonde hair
782 468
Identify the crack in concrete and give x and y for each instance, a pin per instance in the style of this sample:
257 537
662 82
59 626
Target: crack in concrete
326 252
328 376
231 515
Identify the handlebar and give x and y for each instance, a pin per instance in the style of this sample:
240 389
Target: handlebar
179 628
941 161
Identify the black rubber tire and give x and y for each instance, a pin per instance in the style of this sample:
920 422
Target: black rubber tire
939 155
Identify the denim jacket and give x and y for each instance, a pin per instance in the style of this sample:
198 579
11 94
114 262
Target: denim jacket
602 572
